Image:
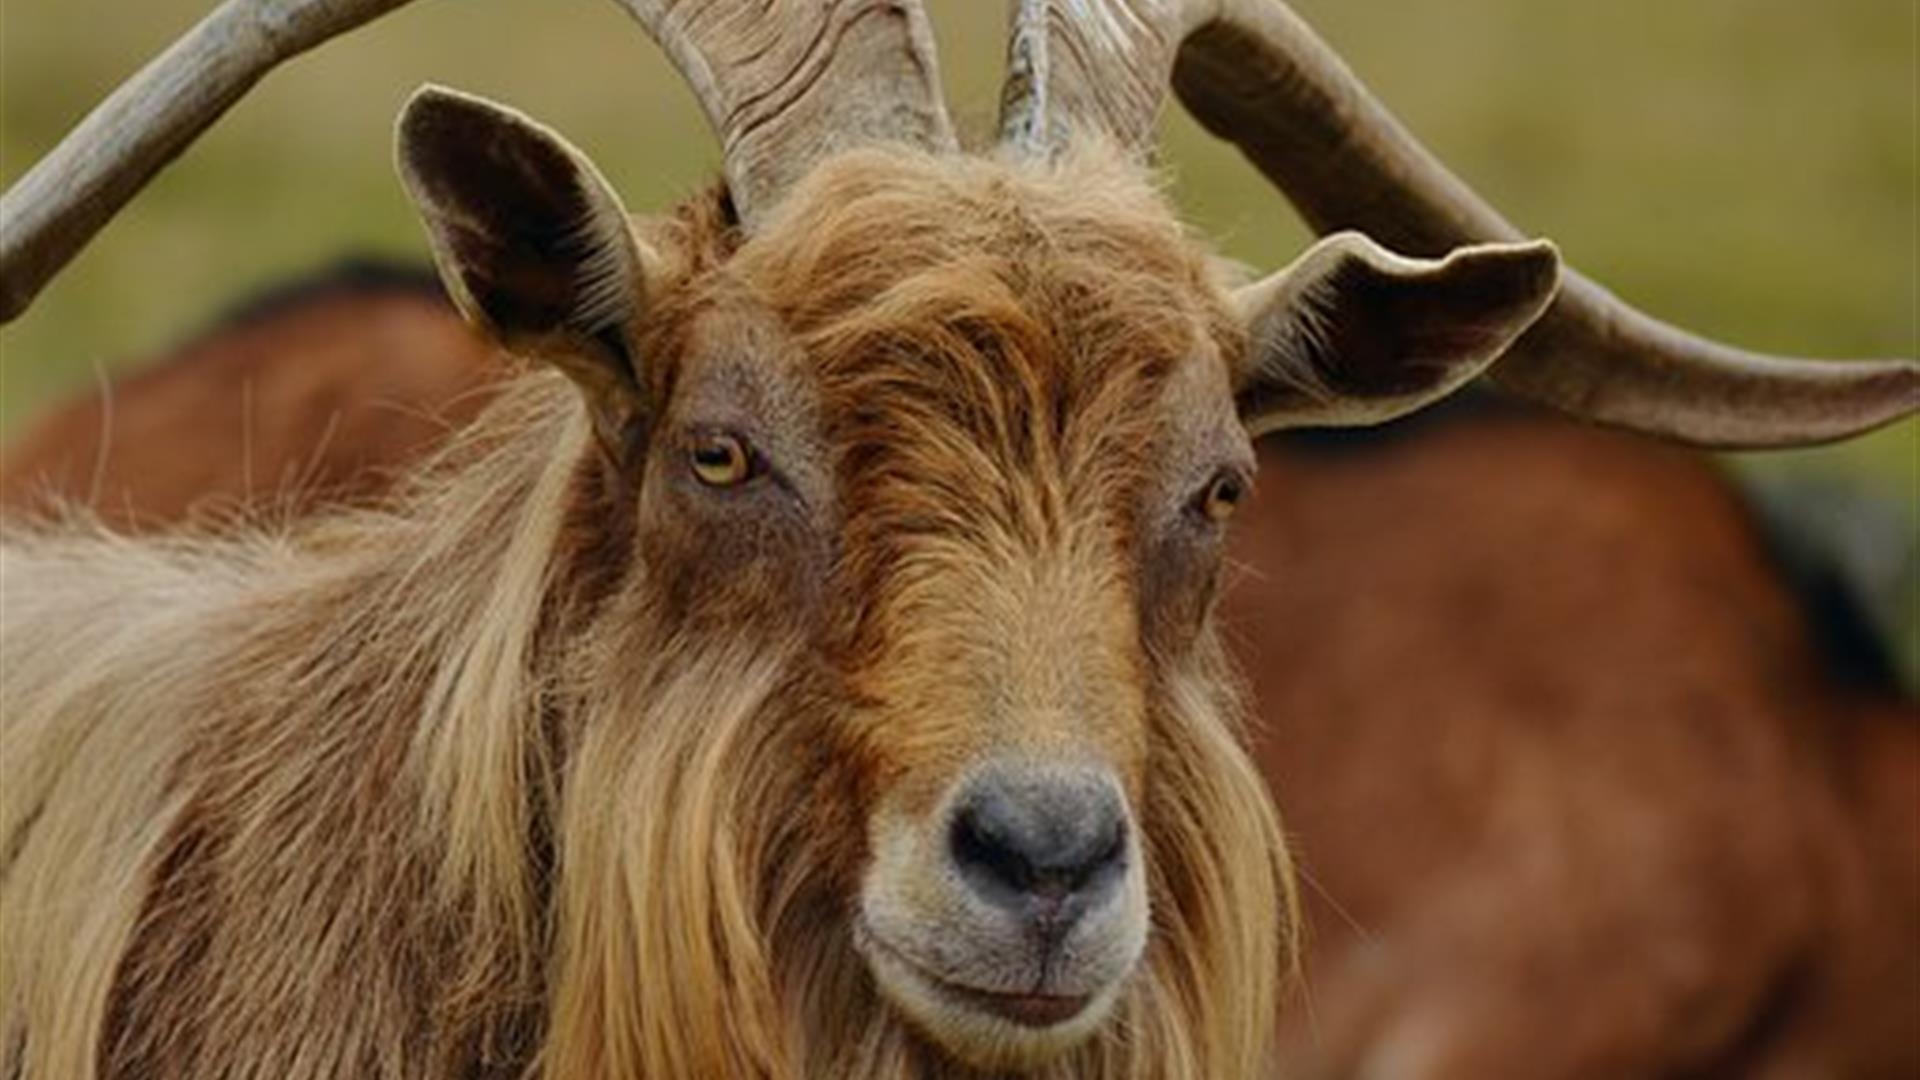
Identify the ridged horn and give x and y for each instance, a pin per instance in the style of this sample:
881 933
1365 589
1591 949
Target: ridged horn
1253 73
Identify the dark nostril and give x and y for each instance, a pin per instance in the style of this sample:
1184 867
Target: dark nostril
1018 838
981 845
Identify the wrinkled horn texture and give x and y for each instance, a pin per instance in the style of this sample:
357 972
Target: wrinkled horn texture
787 83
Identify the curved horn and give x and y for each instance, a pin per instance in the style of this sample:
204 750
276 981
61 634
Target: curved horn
49 214
784 82
1253 73
787 82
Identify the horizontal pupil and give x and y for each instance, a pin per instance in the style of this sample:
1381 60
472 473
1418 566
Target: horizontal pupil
717 455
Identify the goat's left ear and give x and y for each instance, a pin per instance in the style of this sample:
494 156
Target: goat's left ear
1352 334
532 244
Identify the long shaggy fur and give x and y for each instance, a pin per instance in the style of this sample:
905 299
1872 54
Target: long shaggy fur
446 790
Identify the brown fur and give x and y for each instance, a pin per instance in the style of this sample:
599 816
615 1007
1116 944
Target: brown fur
548 767
1571 790
1624 827
378 375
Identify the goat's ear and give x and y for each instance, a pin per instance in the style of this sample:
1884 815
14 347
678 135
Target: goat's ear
532 243
1352 334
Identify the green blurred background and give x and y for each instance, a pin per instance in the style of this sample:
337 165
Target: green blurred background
1744 167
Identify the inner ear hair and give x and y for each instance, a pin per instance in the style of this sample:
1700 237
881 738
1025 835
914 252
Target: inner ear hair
1352 334
534 247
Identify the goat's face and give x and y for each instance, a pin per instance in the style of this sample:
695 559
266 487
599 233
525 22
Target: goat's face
1025 404
960 437
975 432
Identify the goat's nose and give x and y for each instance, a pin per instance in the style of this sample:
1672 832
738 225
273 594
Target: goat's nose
1044 844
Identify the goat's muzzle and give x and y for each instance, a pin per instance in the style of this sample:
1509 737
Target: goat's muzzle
1005 922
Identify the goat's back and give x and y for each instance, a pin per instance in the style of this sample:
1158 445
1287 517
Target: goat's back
306 394
1562 755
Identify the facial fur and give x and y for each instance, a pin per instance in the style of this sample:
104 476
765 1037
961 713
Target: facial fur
982 406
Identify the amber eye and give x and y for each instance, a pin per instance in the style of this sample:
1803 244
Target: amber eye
1222 496
721 460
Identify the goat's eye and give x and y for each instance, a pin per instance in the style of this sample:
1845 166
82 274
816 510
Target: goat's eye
1221 497
721 460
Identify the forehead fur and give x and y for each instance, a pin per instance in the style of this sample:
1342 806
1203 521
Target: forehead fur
1017 323
1089 226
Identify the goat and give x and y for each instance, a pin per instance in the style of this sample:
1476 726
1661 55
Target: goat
1390 799
855 597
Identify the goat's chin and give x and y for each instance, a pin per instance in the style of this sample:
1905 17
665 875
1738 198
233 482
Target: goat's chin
987 1031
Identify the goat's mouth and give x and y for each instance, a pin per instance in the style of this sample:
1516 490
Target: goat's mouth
1035 1009
1027 1010
987 1028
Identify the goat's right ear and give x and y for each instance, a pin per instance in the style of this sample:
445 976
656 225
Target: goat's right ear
532 244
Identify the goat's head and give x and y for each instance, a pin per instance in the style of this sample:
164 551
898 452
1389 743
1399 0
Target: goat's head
965 432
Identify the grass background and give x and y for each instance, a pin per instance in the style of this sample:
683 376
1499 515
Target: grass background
1747 168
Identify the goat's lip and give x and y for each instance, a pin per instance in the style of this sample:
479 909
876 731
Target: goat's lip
1027 1010
1032 1010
